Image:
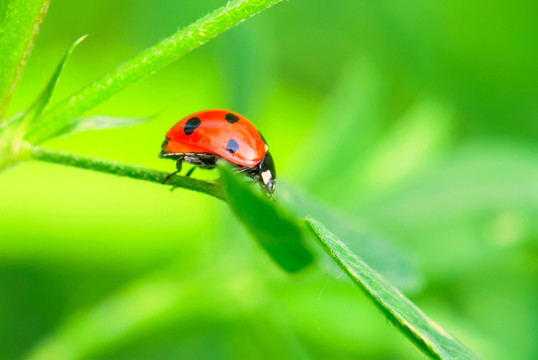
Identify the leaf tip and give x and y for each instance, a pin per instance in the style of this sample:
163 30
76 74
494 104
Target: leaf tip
80 39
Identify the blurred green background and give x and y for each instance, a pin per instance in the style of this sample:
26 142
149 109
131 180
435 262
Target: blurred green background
417 120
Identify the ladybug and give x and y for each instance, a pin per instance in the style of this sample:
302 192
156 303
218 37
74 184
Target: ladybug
207 136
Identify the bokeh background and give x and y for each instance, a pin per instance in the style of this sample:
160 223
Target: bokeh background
416 120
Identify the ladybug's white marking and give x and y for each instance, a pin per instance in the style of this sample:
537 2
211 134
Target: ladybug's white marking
266 176
266 147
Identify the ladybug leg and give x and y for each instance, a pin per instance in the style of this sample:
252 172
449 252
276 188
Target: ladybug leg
178 167
189 173
169 176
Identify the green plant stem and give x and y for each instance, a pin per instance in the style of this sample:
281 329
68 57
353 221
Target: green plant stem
146 64
134 172
19 24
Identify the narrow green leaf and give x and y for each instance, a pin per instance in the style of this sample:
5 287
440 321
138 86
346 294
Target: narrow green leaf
33 113
19 24
11 142
147 63
12 120
427 335
276 231
100 122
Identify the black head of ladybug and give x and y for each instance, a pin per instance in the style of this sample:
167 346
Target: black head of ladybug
266 172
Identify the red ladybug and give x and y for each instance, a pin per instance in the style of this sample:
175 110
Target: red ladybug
206 136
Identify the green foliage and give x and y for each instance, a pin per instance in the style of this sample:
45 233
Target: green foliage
134 172
18 124
32 115
432 339
146 64
19 23
100 122
276 231
379 253
407 157
37 128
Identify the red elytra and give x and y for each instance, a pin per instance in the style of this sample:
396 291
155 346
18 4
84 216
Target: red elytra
201 138
213 134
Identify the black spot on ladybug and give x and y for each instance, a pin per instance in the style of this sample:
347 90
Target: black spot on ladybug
191 125
263 139
231 118
232 146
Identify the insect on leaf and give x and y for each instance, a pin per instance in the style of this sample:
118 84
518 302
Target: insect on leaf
147 63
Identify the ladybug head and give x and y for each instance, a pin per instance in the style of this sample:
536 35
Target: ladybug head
267 172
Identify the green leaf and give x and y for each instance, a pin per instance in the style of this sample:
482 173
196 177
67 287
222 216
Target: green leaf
100 122
33 113
11 141
12 120
379 253
276 231
19 24
147 63
427 335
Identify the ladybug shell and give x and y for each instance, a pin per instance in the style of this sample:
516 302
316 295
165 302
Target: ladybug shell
221 132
